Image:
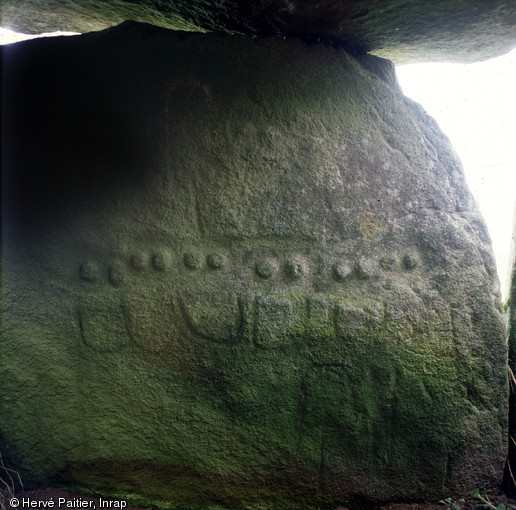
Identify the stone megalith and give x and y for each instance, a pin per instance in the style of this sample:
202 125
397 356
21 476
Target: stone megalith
403 31
240 274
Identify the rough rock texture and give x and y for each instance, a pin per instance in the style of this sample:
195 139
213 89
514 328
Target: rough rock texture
510 314
401 30
240 274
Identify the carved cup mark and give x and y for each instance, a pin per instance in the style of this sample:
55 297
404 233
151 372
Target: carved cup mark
88 272
159 262
388 263
139 261
216 261
265 268
192 260
341 271
295 268
410 262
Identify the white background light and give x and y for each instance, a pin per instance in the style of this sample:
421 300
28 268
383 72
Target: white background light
8 36
475 105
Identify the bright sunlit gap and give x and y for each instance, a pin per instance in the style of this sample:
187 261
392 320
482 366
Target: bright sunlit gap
8 36
475 105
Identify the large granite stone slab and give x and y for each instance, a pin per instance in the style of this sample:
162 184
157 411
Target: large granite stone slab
240 274
414 31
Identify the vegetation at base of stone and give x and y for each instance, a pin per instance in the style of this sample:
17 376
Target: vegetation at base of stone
10 481
479 499
510 318
486 502
452 504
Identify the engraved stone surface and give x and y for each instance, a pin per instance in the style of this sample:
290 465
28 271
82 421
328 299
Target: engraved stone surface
117 274
341 374
215 317
102 324
273 320
144 314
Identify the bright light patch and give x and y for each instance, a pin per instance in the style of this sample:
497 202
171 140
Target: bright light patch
8 36
475 105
